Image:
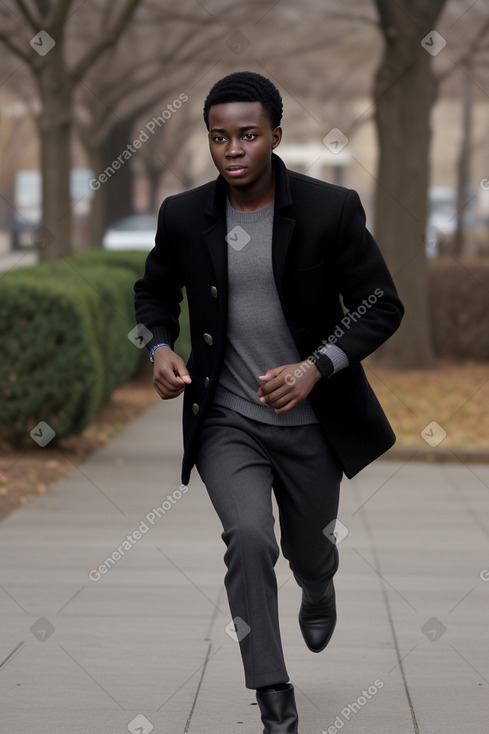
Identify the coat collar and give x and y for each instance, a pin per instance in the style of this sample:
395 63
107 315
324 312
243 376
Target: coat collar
283 198
283 226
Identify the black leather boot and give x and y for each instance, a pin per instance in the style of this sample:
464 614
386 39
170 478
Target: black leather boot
317 621
278 711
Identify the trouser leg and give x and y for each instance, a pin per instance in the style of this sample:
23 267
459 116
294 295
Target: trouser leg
236 471
306 485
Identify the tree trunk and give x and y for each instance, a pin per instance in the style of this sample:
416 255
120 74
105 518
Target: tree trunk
463 163
55 124
97 214
113 197
119 201
405 91
154 177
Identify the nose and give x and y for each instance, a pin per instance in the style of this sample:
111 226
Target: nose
234 148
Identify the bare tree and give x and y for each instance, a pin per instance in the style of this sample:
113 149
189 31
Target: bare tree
107 123
406 88
404 92
122 88
467 63
35 31
464 159
170 155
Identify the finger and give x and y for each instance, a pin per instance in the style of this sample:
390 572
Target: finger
169 385
271 373
279 394
287 407
171 365
180 370
278 383
167 394
270 386
183 374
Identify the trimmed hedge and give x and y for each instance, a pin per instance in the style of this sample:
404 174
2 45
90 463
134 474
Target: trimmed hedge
135 261
64 328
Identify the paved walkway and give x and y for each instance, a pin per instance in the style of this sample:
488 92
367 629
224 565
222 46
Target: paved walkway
143 645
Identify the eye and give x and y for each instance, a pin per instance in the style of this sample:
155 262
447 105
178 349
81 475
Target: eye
218 138
250 136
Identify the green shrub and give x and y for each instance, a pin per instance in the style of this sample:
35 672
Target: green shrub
64 328
135 261
130 259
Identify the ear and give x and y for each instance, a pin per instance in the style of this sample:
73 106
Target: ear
276 137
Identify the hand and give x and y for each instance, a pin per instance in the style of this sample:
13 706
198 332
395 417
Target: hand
283 389
169 373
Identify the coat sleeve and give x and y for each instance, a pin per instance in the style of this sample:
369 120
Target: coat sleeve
373 308
159 292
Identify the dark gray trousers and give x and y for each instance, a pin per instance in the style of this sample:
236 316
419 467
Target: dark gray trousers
239 461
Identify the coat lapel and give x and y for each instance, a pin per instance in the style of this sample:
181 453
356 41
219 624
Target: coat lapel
215 239
283 224
283 227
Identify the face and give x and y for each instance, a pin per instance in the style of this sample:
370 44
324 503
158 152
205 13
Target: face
241 140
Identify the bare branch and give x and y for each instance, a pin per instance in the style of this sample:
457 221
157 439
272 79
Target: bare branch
107 15
6 38
106 40
473 47
57 15
33 22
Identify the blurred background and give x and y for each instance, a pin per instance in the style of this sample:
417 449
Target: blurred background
101 118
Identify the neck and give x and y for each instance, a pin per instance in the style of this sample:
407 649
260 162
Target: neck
253 198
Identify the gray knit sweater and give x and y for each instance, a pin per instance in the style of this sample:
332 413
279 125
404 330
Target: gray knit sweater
258 337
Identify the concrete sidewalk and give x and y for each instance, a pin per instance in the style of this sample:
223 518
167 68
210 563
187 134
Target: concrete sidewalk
142 646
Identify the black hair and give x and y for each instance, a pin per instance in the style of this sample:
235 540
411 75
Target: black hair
246 86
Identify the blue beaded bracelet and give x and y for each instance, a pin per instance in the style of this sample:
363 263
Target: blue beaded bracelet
153 350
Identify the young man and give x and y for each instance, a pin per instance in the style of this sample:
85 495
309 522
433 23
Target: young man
275 395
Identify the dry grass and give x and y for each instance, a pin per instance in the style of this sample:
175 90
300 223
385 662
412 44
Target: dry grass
454 395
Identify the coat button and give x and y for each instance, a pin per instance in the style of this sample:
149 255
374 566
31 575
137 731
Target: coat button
195 408
213 291
206 382
208 339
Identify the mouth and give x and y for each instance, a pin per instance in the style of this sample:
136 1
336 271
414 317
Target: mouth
236 170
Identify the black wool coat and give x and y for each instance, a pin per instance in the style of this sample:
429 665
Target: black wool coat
320 249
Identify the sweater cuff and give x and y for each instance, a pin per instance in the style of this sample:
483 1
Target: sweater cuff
159 335
332 359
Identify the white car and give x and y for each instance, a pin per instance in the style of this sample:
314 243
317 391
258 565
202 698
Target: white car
131 233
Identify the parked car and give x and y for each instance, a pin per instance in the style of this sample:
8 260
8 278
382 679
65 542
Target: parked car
442 216
22 230
136 232
442 221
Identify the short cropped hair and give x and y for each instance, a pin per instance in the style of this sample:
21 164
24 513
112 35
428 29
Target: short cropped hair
246 86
